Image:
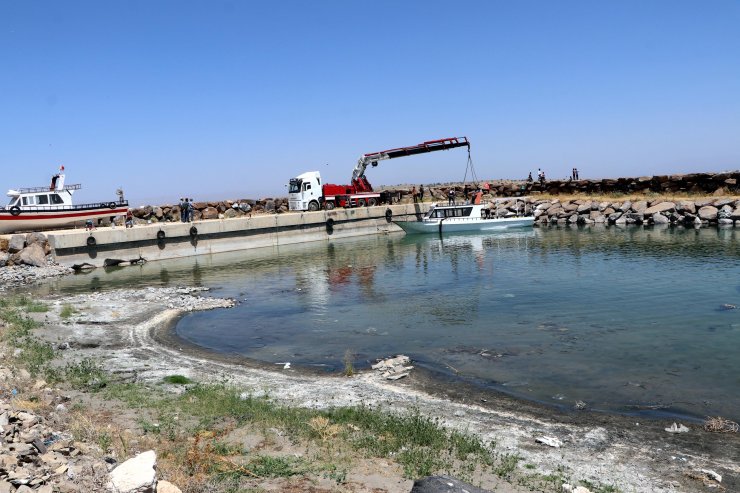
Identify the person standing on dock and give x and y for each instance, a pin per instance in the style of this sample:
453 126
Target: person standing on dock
413 194
451 196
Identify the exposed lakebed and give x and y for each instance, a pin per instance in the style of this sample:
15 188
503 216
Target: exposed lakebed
624 319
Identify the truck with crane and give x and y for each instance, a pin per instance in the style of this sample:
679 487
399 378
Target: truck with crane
307 193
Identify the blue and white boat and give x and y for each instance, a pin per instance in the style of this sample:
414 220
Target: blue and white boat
471 217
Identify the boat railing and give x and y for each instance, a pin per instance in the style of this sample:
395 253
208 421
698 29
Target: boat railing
49 189
66 208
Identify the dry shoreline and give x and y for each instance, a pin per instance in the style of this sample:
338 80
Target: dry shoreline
131 333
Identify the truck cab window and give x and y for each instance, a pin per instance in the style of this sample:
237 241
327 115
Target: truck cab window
306 186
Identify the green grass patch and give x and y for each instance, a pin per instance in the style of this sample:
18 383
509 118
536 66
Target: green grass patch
86 374
177 380
67 311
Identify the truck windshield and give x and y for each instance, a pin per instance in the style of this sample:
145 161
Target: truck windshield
295 186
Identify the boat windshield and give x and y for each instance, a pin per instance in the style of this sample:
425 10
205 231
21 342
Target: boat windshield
451 212
13 201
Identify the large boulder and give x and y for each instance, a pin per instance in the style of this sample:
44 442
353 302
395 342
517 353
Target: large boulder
38 239
659 218
686 206
136 475
33 255
16 243
708 213
640 206
659 208
209 213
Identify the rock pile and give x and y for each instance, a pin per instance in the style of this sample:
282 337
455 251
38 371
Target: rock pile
697 183
26 258
212 210
721 211
36 457
25 249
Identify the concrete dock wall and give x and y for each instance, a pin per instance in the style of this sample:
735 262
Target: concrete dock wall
174 240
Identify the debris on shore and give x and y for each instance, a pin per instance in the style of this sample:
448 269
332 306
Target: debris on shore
393 368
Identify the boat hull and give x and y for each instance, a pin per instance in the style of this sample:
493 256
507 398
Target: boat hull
453 225
38 220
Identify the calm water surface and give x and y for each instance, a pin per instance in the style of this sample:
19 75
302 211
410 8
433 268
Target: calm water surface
623 319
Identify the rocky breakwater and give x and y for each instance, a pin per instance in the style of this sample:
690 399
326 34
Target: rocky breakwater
709 211
696 183
24 258
212 210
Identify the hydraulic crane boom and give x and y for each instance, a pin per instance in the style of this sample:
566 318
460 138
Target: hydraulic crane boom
358 174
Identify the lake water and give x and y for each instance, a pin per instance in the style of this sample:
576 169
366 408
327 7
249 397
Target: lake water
625 319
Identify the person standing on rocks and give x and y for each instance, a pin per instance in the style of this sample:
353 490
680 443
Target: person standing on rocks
421 193
191 210
183 210
413 194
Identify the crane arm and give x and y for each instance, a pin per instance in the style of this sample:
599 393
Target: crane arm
358 174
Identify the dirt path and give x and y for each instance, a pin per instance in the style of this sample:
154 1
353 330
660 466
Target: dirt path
130 331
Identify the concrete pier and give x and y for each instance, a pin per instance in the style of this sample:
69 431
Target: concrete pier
168 240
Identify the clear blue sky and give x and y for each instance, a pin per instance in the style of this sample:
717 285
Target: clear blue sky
229 99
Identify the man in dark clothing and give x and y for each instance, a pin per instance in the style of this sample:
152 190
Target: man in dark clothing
421 193
451 196
183 210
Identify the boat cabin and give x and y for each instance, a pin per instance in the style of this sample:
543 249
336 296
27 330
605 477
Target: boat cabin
439 212
56 195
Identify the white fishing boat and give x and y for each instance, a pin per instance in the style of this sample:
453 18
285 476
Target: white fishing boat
473 216
43 208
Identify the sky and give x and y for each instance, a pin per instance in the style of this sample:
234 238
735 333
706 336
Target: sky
230 99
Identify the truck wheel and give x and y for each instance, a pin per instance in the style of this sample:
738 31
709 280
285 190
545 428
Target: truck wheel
329 205
360 202
372 202
313 206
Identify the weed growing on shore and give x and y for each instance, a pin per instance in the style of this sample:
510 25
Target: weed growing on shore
419 444
86 374
67 311
31 353
348 360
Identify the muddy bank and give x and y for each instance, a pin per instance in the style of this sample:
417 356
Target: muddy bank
130 332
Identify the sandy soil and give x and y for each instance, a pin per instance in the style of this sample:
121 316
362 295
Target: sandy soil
131 332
